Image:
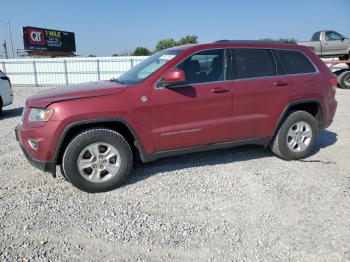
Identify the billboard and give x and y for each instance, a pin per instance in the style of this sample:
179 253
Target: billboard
42 39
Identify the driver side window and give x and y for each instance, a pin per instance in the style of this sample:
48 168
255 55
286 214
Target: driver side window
332 36
203 67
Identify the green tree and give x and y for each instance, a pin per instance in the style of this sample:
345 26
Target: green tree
141 51
287 40
281 40
267 40
91 55
165 43
170 42
115 54
189 39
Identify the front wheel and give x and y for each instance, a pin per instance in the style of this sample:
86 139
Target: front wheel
97 160
296 137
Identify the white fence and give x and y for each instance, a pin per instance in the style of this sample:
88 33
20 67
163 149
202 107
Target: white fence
64 71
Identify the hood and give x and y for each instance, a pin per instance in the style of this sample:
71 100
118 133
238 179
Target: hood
101 88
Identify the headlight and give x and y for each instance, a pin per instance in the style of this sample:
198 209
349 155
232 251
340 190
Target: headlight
40 115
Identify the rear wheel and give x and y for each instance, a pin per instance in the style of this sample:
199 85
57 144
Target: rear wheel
97 160
296 137
344 57
344 80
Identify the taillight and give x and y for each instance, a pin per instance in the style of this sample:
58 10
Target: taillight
334 83
7 79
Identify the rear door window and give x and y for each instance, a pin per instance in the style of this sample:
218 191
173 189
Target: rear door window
251 63
294 62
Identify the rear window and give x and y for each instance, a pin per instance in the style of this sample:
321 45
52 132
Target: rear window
316 36
294 62
252 63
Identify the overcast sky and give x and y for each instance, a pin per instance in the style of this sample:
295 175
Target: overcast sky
106 27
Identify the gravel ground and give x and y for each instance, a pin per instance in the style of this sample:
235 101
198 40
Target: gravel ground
240 204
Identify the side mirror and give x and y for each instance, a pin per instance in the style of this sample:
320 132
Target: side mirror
173 77
342 38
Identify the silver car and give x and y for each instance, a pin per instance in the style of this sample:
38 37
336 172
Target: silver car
6 92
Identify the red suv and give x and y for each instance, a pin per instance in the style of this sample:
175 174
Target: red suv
181 100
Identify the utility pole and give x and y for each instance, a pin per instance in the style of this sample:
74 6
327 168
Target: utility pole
5 48
10 33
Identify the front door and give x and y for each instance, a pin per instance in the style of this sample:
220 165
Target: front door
197 112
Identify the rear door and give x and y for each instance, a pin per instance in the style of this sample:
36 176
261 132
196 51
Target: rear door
197 112
260 93
302 73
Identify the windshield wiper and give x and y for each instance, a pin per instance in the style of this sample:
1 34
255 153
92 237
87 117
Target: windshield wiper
116 80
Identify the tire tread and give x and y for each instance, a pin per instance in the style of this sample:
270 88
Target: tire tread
292 117
91 132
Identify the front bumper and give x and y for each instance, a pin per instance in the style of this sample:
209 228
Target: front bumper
46 166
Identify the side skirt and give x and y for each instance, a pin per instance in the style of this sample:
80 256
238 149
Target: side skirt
264 141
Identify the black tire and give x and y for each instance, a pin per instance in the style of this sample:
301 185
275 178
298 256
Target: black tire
279 145
344 57
89 137
344 80
62 172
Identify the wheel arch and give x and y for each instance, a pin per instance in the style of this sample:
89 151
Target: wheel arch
338 72
117 124
312 106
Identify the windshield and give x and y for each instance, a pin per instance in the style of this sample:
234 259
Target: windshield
147 67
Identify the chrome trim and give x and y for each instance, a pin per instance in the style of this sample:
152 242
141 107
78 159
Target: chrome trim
317 72
204 83
262 77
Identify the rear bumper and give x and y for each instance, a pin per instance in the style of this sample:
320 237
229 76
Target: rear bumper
46 166
331 109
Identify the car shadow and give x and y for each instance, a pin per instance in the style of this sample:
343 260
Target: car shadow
9 113
142 171
324 139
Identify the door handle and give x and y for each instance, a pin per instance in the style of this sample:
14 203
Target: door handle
220 90
281 83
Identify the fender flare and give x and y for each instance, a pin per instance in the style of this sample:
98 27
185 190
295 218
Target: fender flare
66 130
294 103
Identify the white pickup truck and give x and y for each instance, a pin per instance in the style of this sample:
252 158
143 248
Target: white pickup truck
329 44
